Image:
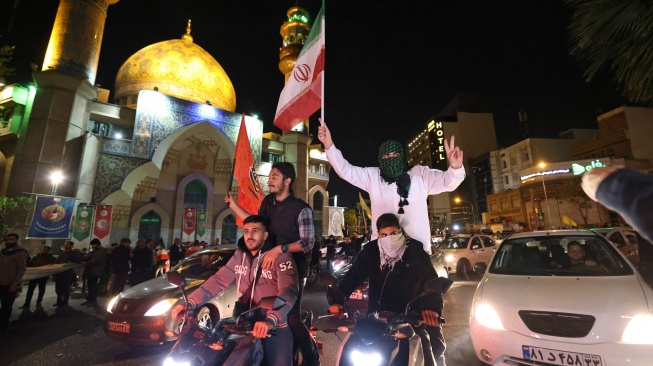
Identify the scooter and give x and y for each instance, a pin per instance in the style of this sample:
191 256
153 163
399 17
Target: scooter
230 341
382 338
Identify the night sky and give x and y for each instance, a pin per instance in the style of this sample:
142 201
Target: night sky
390 65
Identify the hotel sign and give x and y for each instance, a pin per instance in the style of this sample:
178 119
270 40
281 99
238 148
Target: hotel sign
439 137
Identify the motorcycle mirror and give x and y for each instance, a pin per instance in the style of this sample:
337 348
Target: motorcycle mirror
176 278
271 303
438 285
328 279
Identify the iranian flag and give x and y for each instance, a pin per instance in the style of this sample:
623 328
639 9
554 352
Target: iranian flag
250 194
302 95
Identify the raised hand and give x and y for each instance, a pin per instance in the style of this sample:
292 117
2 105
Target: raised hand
324 135
454 154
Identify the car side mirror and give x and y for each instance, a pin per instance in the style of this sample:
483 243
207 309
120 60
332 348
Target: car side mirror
176 278
480 267
271 303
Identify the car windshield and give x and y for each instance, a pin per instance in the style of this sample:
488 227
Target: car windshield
455 243
203 265
560 255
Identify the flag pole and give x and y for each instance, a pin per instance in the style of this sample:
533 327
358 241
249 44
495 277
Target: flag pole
231 181
323 70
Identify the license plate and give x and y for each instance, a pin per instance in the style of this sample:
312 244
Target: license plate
119 327
564 358
356 295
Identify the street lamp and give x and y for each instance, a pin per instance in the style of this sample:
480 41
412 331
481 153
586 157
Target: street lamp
458 200
56 177
548 206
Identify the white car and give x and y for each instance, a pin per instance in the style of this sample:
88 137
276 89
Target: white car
534 306
464 251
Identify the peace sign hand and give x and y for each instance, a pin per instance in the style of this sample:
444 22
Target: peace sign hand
454 154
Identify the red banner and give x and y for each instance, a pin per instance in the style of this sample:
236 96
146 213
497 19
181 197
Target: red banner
189 222
532 221
250 194
102 223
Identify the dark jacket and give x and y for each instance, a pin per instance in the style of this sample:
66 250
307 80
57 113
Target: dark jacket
175 253
630 193
142 258
70 256
283 228
97 260
120 259
13 264
41 259
392 290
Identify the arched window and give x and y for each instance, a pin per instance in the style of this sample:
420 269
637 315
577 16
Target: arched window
229 229
150 226
195 194
318 203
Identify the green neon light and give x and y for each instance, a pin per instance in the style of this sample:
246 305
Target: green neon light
579 169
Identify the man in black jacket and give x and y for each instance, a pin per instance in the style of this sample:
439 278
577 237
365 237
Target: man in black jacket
397 268
63 280
120 265
290 231
42 259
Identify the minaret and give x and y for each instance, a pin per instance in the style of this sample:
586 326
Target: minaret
54 135
74 47
294 32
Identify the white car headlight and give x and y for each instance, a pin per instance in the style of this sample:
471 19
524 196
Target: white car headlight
449 258
169 361
161 307
487 317
112 303
638 330
367 359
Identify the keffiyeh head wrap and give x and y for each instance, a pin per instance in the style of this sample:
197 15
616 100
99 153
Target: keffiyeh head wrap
394 168
392 248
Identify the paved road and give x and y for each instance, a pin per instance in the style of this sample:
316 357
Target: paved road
73 336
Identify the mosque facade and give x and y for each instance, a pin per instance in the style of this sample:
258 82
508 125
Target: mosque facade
165 144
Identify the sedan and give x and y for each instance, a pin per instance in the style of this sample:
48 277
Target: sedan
623 238
544 301
462 252
140 315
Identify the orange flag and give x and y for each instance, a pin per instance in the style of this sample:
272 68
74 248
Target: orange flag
250 194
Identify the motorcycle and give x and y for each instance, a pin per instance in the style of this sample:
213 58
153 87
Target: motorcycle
230 341
382 338
313 273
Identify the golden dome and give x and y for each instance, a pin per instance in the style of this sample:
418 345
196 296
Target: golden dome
179 68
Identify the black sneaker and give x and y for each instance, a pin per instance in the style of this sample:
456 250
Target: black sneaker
25 306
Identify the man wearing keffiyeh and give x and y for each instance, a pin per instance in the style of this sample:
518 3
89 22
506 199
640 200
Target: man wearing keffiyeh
397 269
396 186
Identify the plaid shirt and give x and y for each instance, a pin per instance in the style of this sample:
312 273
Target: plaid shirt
306 229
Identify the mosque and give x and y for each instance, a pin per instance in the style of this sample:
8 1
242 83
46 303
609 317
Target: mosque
166 143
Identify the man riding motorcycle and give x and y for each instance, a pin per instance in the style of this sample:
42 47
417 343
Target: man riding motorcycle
255 283
397 268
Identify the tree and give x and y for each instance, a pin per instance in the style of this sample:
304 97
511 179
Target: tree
616 34
350 218
571 192
14 213
6 52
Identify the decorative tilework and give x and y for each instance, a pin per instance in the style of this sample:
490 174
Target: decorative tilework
111 172
146 185
115 146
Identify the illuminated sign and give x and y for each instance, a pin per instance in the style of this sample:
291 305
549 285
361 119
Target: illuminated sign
439 135
579 169
548 172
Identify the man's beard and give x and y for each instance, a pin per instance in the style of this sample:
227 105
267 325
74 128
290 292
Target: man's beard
10 245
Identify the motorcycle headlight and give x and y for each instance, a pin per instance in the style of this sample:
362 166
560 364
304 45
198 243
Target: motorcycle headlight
448 258
161 307
169 361
487 317
638 330
112 303
367 359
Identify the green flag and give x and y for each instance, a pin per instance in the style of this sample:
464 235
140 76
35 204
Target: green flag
201 222
82 229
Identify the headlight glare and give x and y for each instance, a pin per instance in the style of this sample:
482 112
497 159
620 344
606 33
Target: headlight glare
638 330
367 359
487 317
112 303
169 361
448 258
161 307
